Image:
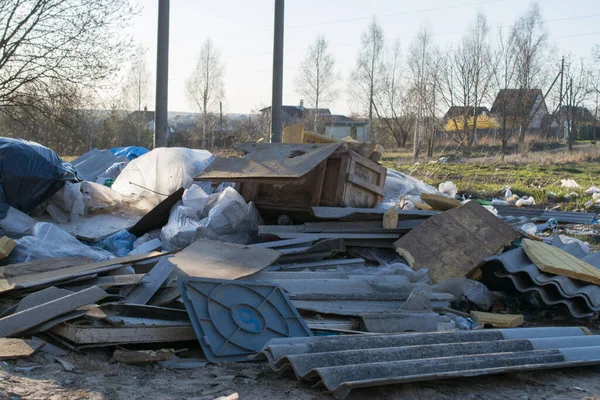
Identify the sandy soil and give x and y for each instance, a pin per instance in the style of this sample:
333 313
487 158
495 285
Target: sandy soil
96 378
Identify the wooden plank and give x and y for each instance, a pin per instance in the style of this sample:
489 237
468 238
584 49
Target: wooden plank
158 216
88 335
153 280
366 185
131 357
37 266
11 349
497 320
555 261
31 317
266 161
38 279
219 260
6 246
453 243
439 202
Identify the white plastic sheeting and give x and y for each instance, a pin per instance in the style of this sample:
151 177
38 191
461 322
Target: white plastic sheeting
17 222
162 170
399 186
50 241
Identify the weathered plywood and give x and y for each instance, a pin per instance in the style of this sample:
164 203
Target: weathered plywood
439 202
18 348
43 278
149 285
92 335
6 246
453 243
555 261
497 320
268 161
26 319
219 260
132 357
36 266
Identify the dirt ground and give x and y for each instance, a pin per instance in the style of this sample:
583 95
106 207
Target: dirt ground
96 378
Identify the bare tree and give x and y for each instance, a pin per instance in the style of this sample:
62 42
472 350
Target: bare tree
205 85
579 88
137 91
366 79
421 80
316 79
48 41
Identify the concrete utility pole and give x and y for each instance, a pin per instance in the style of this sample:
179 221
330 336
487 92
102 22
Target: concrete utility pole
276 101
560 98
161 122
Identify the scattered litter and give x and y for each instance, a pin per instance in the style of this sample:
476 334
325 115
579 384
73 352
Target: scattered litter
569 184
448 188
525 201
497 320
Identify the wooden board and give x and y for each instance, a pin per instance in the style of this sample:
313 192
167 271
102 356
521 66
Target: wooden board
555 261
219 260
497 320
6 246
42 278
453 243
266 161
88 335
18 348
36 266
29 318
390 218
439 202
132 357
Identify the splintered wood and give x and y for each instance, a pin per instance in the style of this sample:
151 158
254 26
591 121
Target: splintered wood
555 261
453 243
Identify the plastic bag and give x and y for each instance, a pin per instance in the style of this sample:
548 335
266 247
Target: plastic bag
113 171
195 198
49 241
529 228
399 185
476 292
17 222
525 201
569 183
162 171
30 174
448 188
230 220
567 240
119 244
592 190
179 232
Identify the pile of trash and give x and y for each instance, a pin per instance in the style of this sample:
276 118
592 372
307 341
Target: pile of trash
295 254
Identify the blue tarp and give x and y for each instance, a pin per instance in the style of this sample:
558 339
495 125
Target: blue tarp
131 152
30 174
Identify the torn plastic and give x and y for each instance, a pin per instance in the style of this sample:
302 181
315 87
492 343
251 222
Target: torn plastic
180 230
119 244
592 190
17 222
474 291
131 152
525 201
529 228
448 188
195 198
113 171
399 185
567 240
49 241
419 276
30 174
162 171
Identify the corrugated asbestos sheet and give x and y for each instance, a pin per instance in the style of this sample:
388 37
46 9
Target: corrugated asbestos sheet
518 272
563 217
343 363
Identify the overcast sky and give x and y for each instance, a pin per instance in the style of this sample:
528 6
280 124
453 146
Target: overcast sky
243 32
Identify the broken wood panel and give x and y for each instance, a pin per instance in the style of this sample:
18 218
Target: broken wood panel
37 266
38 279
6 246
91 335
269 161
497 320
439 202
219 260
131 357
11 349
34 316
158 216
555 261
153 280
453 244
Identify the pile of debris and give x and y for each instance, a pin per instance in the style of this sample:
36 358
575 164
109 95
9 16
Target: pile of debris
311 256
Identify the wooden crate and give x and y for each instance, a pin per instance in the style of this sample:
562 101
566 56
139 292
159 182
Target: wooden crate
344 179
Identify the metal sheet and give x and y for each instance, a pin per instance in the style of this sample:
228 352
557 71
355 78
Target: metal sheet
343 363
562 217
